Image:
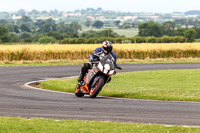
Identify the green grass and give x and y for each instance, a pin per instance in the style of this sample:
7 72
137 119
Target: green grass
126 32
177 85
18 125
79 62
10 64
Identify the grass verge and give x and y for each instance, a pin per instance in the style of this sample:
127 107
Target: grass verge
78 62
176 85
18 125
41 63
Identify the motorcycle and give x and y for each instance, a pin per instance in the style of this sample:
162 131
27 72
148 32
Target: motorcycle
97 77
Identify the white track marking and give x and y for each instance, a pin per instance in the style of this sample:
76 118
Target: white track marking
32 82
46 79
27 85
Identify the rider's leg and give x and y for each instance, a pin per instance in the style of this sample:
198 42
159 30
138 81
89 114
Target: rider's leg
84 70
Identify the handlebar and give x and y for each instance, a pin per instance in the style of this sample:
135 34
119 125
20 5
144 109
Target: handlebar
94 61
118 67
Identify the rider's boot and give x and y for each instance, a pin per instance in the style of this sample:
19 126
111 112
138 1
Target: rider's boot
84 70
80 80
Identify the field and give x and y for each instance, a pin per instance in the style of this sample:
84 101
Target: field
124 32
174 85
36 52
18 125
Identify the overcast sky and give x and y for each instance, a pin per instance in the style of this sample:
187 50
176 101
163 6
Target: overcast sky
119 5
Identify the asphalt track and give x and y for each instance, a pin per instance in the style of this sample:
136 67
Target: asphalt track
17 100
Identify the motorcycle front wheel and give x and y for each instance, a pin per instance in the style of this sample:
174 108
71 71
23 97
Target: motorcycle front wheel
78 92
94 91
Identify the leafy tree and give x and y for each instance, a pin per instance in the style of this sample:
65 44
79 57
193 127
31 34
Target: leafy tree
150 29
125 26
21 12
3 22
54 12
75 27
47 27
97 34
50 20
98 24
26 19
24 35
89 34
4 15
68 28
108 33
197 29
4 34
14 37
44 12
117 22
87 23
56 35
63 28
34 12
190 35
12 28
25 28
39 22
179 32
168 28
136 24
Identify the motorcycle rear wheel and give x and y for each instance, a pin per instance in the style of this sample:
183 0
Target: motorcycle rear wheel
97 88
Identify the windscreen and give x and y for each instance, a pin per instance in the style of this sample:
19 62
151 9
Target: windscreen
108 60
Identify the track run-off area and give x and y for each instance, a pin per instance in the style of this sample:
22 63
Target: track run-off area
18 100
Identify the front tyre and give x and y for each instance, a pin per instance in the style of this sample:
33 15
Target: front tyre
78 92
97 88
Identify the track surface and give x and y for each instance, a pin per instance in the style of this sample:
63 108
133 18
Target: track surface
16 100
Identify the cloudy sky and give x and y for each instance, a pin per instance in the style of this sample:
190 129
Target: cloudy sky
119 5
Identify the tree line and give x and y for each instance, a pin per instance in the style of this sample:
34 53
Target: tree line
50 31
27 30
168 29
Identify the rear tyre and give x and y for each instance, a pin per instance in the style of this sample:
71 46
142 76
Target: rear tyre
78 92
97 88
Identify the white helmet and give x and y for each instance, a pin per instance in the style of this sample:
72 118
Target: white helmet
107 46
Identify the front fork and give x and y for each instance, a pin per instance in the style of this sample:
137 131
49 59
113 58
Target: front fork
109 79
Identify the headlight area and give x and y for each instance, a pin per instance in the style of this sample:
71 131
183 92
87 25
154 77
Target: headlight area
107 66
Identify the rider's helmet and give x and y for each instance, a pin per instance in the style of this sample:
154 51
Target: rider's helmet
107 47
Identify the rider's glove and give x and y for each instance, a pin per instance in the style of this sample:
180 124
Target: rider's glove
114 73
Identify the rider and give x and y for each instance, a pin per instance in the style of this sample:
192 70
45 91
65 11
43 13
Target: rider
97 55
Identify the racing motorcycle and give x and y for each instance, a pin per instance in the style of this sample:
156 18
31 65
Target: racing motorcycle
97 77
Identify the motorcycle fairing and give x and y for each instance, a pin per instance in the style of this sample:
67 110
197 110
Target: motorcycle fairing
90 76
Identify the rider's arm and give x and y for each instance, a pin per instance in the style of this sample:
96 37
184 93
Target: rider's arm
92 56
115 58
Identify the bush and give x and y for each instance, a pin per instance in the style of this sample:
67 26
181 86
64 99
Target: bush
126 41
179 39
197 40
47 39
165 39
27 40
151 39
137 39
80 41
24 35
119 40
